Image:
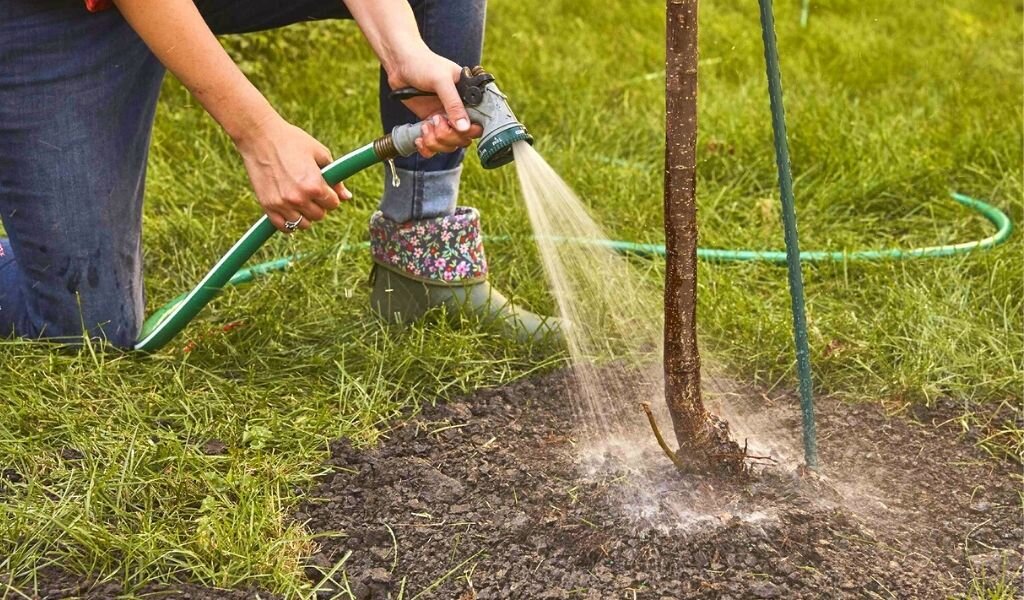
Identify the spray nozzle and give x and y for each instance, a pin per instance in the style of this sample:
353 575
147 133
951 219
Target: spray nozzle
486 106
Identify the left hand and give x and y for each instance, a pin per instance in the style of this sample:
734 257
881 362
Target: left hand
447 126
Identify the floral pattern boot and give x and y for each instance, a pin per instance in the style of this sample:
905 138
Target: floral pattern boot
420 265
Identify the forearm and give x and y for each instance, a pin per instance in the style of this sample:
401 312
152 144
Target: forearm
179 37
390 28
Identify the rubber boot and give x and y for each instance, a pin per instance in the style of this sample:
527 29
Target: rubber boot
425 264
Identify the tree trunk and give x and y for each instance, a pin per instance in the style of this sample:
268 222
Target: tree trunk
701 437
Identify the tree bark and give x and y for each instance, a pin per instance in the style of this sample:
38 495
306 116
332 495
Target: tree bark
703 439
682 359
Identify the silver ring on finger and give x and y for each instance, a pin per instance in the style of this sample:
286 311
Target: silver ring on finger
291 226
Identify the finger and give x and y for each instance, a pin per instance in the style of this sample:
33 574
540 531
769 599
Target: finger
289 215
428 131
452 103
429 137
446 134
432 139
342 192
424 151
322 155
304 197
311 211
279 220
301 203
328 200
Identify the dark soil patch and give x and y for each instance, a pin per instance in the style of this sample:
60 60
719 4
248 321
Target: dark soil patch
484 498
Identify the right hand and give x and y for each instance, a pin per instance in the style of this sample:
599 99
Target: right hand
284 164
446 124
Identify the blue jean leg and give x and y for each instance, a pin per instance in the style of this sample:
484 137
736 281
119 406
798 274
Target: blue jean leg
77 98
429 187
246 16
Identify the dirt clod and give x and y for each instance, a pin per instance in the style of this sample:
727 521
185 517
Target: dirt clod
69 453
215 447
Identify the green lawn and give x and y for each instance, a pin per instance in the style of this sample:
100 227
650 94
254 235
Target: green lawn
890 105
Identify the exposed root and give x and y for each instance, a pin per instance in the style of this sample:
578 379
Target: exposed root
661 440
745 455
727 455
719 451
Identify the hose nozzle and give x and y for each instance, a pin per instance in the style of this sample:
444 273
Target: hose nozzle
487 107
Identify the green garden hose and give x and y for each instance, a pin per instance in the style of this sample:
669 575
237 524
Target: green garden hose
995 216
161 328
165 323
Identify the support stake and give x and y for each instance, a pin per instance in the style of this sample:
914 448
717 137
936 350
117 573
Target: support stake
796 283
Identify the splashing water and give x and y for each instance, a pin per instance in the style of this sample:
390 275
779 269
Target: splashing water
614 309
614 342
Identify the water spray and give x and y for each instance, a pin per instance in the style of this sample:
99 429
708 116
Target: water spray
486 106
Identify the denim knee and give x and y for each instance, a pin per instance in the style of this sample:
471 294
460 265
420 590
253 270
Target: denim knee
70 298
77 97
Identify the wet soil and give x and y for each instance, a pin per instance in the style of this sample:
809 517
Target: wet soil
496 495
485 498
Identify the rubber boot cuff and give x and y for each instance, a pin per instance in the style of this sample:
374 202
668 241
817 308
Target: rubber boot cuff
441 251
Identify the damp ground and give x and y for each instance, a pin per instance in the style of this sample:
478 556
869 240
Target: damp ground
484 498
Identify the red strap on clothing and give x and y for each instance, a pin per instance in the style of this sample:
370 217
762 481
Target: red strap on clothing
97 5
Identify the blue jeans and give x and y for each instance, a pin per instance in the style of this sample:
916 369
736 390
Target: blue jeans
78 93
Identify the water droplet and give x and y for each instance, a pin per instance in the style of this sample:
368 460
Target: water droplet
395 181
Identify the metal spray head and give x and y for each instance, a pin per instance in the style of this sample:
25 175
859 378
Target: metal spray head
486 106
489 107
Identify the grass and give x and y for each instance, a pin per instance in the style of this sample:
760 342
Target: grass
889 106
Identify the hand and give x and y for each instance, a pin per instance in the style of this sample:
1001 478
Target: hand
447 124
284 163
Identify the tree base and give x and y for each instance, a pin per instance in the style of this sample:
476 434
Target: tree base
718 453
711 452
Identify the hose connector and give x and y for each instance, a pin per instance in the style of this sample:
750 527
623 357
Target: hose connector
400 142
384 148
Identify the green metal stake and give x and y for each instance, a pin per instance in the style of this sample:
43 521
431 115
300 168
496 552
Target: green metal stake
796 283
